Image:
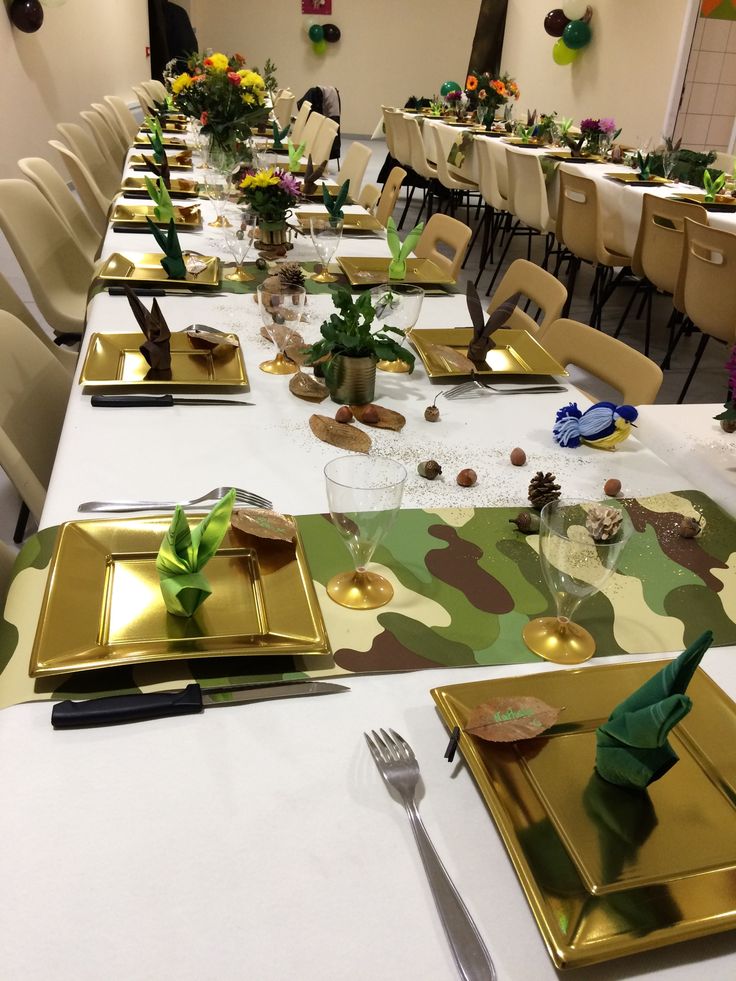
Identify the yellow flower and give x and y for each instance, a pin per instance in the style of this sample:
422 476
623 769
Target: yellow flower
252 79
182 82
219 62
248 98
262 178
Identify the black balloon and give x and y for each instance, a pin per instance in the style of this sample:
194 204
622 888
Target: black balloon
555 23
331 33
26 15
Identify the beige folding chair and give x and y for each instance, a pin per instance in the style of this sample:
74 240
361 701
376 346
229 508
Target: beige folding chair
539 287
12 303
7 558
283 108
102 169
389 118
61 199
459 187
353 167
114 124
390 195
369 197
611 361
125 117
322 143
156 90
706 289
145 100
493 186
420 164
102 133
97 205
309 134
58 272
300 121
442 230
34 390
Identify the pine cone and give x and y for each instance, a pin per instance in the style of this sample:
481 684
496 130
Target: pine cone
291 274
603 523
543 489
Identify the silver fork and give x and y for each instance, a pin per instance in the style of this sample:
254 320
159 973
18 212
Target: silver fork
211 497
398 766
475 387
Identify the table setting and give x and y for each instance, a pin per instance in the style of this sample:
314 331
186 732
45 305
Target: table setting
506 609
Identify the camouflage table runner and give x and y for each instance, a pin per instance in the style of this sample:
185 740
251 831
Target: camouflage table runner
465 584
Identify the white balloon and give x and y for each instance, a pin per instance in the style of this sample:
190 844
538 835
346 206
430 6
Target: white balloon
574 9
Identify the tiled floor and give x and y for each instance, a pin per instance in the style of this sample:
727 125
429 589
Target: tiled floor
708 385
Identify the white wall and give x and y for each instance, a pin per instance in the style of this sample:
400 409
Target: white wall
86 49
626 72
390 49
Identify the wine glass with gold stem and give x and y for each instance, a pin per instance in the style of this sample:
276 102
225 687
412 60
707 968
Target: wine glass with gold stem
397 305
281 309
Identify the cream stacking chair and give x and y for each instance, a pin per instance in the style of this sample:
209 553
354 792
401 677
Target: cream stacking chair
390 195
125 117
450 233
535 285
102 169
283 107
95 202
309 134
106 141
369 197
297 129
114 124
145 99
353 167
322 143
420 163
156 90
493 186
12 303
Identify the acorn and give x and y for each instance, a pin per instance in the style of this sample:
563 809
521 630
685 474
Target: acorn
612 487
728 425
370 415
467 478
261 263
429 469
344 414
526 522
432 413
517 457
690 528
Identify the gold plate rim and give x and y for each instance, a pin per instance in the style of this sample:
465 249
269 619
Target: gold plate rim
349 263
158 273
147 210
136 186
351 222
422 337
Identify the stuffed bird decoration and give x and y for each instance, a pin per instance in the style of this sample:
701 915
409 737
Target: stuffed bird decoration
603 425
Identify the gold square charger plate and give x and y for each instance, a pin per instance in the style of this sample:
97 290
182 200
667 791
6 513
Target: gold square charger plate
372 270
723 202
115 361
103 605
135 187
525 144
169 125
146 268
635 181
135 215
351 223
142 142
177 161
607 871
516 353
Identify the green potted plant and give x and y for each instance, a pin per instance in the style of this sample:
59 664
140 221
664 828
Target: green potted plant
349 350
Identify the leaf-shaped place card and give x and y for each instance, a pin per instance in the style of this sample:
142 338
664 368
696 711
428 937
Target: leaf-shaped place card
308 387
210 339
506 720
387 418
454 360
340 434
264 524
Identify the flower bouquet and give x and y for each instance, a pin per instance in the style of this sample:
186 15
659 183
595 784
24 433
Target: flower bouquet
227 98
727 418
270 194
598 135
487 94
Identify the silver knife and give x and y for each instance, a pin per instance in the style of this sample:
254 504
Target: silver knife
153 401
186 701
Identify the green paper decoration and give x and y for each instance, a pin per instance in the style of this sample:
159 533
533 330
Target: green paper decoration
577 35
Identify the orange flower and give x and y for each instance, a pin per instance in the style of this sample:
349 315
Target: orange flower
499 87
207 61
471 83
233 78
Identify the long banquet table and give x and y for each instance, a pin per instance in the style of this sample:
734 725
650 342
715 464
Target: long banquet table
260 842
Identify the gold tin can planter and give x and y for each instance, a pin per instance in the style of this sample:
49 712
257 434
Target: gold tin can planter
271 234
354 380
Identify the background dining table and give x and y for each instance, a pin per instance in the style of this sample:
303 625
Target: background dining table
260 842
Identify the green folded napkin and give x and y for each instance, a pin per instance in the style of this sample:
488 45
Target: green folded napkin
185 551
335 204
632 748
173 260
279 135
295 155
164 210
397 268
156 138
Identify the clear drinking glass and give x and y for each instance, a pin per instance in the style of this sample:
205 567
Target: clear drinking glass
481 112
397 306
326 237
239 242
574 566
217 189
364 496
281 310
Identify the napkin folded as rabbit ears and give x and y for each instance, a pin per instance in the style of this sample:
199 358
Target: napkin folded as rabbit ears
397 267
161 169
279 135
173 260
164 209
483 329
156 349
311 175
295 155
335 205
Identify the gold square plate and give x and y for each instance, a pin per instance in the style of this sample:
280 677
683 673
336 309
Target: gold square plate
332 190
177 161
115 361
351 223
606 871
135 215
142 142
135 187
516 353
372 270
524 144
145 267
723 202
576 158
169 125
103 605
635 181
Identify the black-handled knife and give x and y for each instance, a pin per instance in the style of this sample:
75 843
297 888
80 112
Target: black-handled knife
152 401
189 701
159 291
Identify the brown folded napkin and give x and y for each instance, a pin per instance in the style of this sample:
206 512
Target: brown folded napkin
156 349
483 329
311 175
161 170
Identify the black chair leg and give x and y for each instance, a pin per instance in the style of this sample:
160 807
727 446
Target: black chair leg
572 275
648 330
698 355
503 256
675 319
20 525
409 196
627 309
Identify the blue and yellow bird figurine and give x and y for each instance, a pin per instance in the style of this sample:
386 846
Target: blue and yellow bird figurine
603 425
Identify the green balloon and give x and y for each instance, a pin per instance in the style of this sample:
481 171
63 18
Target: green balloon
448 87
577 34
563 55
319 47
316 33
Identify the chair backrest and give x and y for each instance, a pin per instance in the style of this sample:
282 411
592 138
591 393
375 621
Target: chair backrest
300 122
81 143
577 215
7 558
390 195
283 108
61 199
322 143
95 202
545 291
125 116
418 153
107 143
30 425
452 180
528 190
12 303
661 239
145 101
369 197
611 361
311 129
402 146
58 272
442 230
706 287
354 166
389 127
489 170
112 122
156 89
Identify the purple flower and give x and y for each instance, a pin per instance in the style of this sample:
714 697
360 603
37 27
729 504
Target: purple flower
288 183
590 126
607 126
